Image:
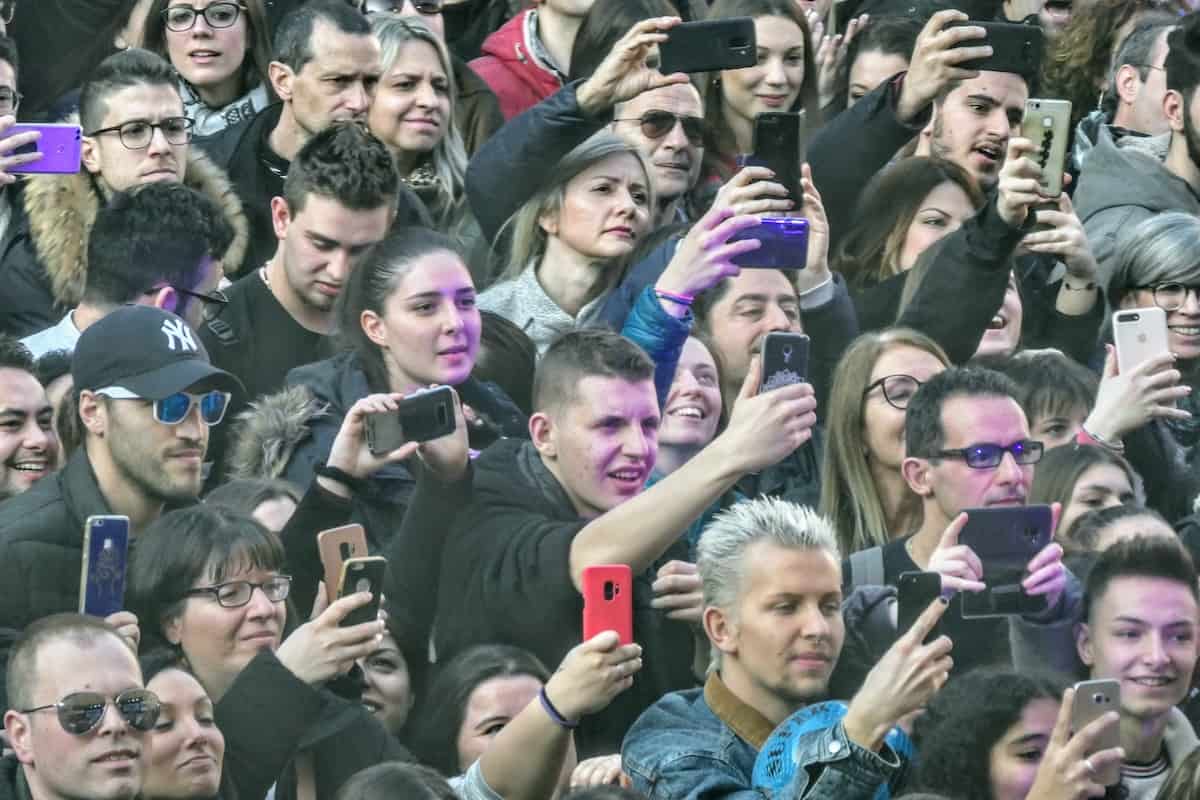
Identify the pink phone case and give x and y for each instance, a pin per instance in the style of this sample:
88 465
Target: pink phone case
59 146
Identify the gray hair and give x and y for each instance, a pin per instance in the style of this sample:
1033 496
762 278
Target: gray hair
1163 249
1138 48
723 545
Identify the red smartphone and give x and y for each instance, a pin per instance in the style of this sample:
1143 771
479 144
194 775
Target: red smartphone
608 601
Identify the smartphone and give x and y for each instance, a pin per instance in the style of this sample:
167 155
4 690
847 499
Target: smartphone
335 546
708 46
423 415
362 575
1015 48
914 592
1047 123
1094 699
102 578
1139 334
783 244
779 146
59 146
784 360
1005 539
608 601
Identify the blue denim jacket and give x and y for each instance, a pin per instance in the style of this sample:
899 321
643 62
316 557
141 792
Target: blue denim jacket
681 749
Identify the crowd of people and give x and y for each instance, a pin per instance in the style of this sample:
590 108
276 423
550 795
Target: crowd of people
291 220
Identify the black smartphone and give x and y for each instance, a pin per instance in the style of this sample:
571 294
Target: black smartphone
1015 48
783 244
784 360
1005 540
779 146
362 575
423 415
709 46
914 592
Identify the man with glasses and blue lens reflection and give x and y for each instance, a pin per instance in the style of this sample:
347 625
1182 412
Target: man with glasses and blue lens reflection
147 396
968 445
78 713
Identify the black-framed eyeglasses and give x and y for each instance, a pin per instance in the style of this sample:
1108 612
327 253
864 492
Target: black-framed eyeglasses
8 10
1171 296
217 15
989 456
136 134
897 389
426 7
213 301
81 712
235 594
10 100
657 124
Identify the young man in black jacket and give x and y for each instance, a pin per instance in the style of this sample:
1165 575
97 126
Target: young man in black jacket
28 443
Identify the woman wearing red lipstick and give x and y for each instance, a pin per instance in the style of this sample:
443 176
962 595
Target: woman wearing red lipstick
221 49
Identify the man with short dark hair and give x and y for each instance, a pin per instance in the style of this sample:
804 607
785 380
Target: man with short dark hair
325 69
159 244
134 133
78 712
542 512
28 444
1141 629
147 396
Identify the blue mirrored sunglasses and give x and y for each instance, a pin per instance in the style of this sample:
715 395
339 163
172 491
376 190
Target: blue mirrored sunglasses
175 409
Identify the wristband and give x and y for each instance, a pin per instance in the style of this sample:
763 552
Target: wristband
352 483
553 713
1117 446
679 299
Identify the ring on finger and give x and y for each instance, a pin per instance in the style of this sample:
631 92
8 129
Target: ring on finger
1087 762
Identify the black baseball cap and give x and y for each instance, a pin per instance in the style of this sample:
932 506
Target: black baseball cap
148 352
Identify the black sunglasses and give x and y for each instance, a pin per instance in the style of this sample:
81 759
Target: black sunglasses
80 712
657 124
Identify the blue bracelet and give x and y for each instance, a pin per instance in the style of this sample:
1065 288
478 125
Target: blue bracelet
553 712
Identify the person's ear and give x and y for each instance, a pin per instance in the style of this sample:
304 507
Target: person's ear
1127 83
374 327
89 154
281 77
1174 108
548 222
281 217
1083 644
172 628
92 413
20 735
164 297
917 474
541 432
720 629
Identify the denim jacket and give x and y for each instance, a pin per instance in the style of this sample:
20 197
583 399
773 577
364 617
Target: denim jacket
701 744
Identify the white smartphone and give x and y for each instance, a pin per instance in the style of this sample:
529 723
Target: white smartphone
1140 334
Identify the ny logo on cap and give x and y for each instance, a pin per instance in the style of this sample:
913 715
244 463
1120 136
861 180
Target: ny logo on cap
177 331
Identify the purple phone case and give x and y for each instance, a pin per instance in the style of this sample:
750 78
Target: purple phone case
59 146
784 244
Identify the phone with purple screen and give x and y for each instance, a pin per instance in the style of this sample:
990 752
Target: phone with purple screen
59 146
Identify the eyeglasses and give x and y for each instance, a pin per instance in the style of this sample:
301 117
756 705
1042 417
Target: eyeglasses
426 7
235 594
137 133
217 15
176 408
657 124
80 712
1171 296
988 456
9 100
897 389
213 301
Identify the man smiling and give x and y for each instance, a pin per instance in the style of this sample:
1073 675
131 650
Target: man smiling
28 444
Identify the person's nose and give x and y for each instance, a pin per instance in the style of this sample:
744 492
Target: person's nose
1191 301
426 96
452 318
1156 654
774 73
1008 471
778 319
636 443
36 437
338 266
260 606
113 723
675 138
358 98
158 142
200 28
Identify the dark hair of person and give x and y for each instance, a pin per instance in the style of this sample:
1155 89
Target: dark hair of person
583 354
1062 467
161 659
21 677
1140 557
182 548
396 779
964 721
869 253
50 366
132 67
8 52
156 234
1184 781
372 283
923 431
14 355
508 358
890 35
68 425
440 711
258 40
1077 66
609 792
604 24
293 45
1136 51
1183 57
246 494
1085 532
346 163
1049 384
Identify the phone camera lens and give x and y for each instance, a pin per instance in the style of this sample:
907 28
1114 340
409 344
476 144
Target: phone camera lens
1099 699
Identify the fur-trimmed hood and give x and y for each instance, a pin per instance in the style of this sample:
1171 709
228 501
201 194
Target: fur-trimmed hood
266 435
61 209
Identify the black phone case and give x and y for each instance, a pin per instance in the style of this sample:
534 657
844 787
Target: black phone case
1015 48
423 416
709 45
914 592
778 138
784 360
358 575
1005 539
